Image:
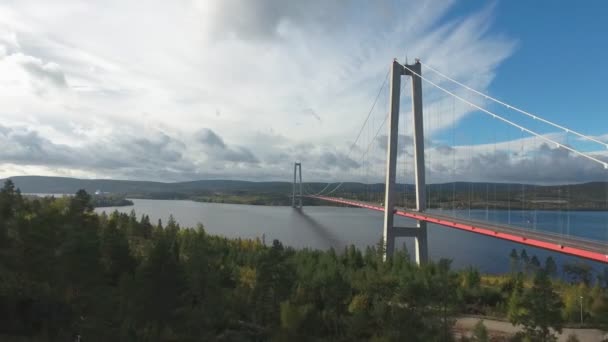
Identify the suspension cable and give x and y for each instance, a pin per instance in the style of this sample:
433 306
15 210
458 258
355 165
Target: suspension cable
509 184
533 116
453 156
372 141
371 110
497 116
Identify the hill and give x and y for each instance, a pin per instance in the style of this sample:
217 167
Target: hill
590 196
43 184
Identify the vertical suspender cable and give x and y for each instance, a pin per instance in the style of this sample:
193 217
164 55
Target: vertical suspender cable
523 185
496 218
371 110
470 153
508 106
568 205
453 157
535 205
509 183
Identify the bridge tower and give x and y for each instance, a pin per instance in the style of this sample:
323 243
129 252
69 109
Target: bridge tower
419 232
296 199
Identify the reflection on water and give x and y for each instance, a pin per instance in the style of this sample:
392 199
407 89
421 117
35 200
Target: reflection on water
325 227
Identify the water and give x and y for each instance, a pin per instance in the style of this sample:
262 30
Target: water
325 227
41 194
585 224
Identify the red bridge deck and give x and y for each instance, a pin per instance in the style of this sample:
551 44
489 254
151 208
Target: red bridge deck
588 249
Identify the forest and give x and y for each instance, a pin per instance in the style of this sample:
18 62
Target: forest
68 273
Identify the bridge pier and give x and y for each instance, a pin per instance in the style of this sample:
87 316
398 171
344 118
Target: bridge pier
421 244
390 232
296 199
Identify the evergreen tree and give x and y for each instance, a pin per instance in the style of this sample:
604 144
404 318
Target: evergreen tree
525 259
480 332
159 288
534 265
599 305
539 310
514 261
115 254
550 267
579 272
65 270
572 338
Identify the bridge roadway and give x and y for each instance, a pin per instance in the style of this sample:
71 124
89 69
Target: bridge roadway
580 247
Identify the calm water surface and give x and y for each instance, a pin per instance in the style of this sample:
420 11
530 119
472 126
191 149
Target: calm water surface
325 227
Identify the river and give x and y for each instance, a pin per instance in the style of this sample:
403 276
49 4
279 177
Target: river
324 227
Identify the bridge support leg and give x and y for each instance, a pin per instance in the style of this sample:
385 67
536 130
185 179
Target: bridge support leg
391 159
391 162
421 243
415 70
296 198
300 173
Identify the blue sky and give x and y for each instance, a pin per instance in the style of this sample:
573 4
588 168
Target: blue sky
239 89
558 68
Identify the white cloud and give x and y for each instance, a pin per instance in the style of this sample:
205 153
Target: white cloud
128 87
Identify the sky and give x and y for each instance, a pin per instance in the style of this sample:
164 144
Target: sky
240 89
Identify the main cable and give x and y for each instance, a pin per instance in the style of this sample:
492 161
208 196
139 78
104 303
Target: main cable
369 114
497 116
533 116
372 141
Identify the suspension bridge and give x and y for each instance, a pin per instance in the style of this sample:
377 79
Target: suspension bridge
526 139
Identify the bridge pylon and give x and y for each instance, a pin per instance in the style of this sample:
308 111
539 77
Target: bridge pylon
419 232
296 197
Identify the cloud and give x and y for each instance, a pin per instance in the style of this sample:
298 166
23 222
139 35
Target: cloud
293 81
8 43
160 145
163 156
239 155
266 19
28 147
217 149
338 161
444 149
44 71
209 138
545 165
524 160
405 143
314 114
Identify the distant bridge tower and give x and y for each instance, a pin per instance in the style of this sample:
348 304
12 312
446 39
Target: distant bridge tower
419 232
296 199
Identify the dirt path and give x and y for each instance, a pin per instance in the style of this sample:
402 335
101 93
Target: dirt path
584 335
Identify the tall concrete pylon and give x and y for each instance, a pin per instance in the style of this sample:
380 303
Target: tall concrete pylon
296 199
419 232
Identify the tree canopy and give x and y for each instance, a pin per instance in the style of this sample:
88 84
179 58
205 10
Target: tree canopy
66 271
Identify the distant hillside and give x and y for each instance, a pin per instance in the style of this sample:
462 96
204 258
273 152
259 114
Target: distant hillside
449 195
43 184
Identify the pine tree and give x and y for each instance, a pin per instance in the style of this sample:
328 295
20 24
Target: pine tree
480 332
550 267
525 260
539 310
160 285
115 254
514 261
534 265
